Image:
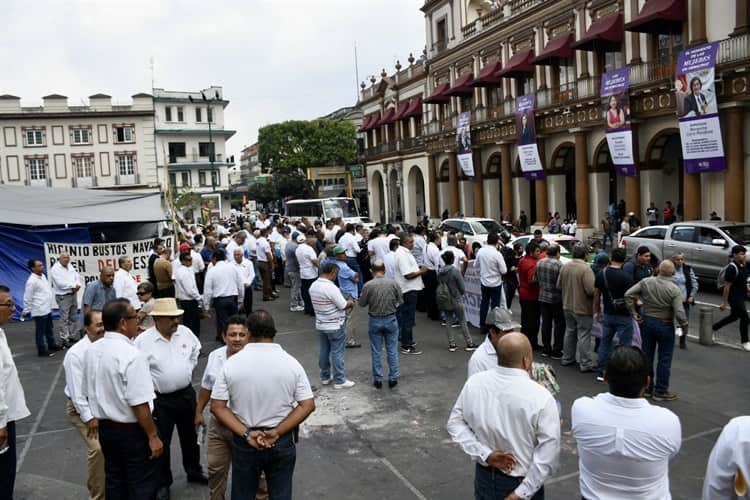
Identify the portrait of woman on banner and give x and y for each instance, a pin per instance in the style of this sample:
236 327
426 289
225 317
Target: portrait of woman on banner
616 114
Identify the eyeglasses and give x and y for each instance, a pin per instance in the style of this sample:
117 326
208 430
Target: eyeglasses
142 293
135 316
8 304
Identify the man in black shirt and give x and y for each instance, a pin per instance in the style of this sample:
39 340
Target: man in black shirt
640 267
611 284
735 293
156 250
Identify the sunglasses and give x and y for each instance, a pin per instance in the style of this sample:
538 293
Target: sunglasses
142 293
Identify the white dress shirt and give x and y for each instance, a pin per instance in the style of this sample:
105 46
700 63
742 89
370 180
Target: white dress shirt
246 270
491 266
349 242
390 271
329 304
198 263
459 257
116 378
126 288
484 358
222 280
185 287
403 264
624 447
171 361
73 365
250 245
263 248
262 404
379 246
63 279
12 400
730 454
432 256
420 245
306 256
38 297
502 409
214 366
231 247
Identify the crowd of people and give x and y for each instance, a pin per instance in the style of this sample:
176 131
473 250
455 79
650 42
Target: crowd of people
130 362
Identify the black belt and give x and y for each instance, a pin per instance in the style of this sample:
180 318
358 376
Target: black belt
174 393
118 425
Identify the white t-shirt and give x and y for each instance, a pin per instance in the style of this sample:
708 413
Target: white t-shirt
306 256
379 246
349 242
403 264
459 257
263 249
491 266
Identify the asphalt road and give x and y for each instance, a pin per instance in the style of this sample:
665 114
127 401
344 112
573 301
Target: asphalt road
375 444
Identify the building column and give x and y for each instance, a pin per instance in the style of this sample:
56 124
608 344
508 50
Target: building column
506 180
540 189
742 18
635 38
432 183
633 184
734 177
583 212
691 198
453 180
697 22
478 183
583 67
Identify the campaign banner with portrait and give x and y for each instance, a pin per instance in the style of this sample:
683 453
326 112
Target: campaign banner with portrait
463 144
472 293
698 110
616 113
528 152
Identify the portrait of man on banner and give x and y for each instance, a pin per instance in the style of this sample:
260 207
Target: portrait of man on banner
695 93
525 127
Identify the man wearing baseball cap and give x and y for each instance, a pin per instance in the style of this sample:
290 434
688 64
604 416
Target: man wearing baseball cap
734 294
172 353
485 357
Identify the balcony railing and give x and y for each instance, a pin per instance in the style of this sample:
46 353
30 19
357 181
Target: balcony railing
734 49
395 146
651 71
83 182
411 143
439 47
497 15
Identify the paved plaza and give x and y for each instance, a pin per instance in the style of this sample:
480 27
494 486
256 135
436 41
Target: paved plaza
374 444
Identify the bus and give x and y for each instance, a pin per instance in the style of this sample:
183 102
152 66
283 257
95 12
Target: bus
325 209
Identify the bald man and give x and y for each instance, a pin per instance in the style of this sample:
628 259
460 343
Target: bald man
100 292
509 425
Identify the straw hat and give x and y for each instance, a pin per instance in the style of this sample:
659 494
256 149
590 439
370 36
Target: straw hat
166 307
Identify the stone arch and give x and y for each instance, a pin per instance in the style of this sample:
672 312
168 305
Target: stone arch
415 195
492 188
562 180
662 171
377 197
395 205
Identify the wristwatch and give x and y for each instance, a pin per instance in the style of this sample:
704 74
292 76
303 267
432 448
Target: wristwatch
247 433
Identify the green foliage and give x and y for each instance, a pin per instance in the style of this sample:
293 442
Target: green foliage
301 144
185 199
282 185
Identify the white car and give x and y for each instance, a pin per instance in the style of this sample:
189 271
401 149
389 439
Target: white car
473 228
566 243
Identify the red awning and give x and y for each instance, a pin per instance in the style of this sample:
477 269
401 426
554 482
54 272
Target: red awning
387 117
603 34
366 123
487 76
373 119
462 87
556 49
519 66
659 16
438 95
400 110
414 109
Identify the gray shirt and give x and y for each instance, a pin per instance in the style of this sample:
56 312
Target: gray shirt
382 295
291 264
96 295
661 298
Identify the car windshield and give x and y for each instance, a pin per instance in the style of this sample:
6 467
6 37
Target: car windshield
340 208
566 246
486 226
740 234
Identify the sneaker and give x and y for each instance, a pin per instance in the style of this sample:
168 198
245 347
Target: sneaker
556 355
345 385
648 394
443 323
452 347
746 346
600 378
664 396
545 354
299 309
46 354
352 343
327 381
456 325
392 383
410 350
378 384
471 347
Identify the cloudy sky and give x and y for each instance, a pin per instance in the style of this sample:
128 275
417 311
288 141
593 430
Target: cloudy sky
276 59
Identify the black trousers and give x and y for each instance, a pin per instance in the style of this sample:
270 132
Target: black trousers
191 318
552 316
224 308
530 321
737 311
161 293
8 464
430 287
177 409
129 472
247 300
306 284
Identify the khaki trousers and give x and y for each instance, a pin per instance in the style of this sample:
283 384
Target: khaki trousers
219 448
95 456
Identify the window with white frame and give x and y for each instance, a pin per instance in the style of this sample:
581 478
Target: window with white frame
180 114
37 169
185 177
168 113
215 178
81 135
124 134
35 137
210 114
202 178
126 164
198 115
83 166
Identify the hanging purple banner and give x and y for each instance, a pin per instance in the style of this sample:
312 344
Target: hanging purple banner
616 112
528 152
698 110
463 144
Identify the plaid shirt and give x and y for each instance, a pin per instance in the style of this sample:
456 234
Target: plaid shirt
547 271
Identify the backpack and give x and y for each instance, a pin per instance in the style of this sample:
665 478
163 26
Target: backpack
721 279
443 297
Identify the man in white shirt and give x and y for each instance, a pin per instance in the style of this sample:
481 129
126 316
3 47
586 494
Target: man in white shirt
728 467
432 263
509 425
350 243
223 289
266 265
247 274
388 261
377 246
124 284
459 257
263 417
409 277
491 266
236 242
118 388
330 314
485 357
65 281
420 244
308 270
12 400
172 353
38 301
625 444
77 406
187 294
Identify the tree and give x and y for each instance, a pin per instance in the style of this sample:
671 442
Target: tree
281 186
294 145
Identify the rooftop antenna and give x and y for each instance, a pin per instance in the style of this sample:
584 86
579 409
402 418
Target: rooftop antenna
151 65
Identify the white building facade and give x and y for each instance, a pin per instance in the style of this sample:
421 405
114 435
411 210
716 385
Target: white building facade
99 145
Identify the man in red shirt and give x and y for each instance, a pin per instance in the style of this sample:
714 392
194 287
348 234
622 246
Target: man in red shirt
528 293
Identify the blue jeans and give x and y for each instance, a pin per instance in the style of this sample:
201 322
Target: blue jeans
491 484
490 299
614 324
353 263
405 315
277 463
658 334
384 328
332 353
43 327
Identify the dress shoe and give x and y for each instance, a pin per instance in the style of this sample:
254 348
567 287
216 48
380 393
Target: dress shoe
199 478
162 494
378 384
392 383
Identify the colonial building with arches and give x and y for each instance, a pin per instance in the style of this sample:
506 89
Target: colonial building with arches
482 54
